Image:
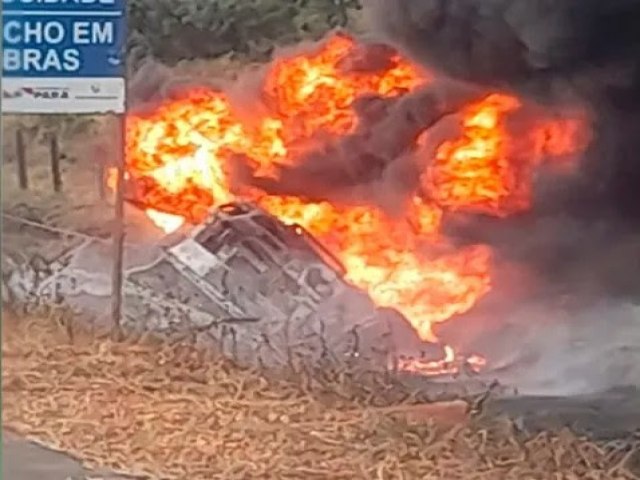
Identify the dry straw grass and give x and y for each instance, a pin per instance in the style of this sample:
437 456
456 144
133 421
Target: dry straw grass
167 411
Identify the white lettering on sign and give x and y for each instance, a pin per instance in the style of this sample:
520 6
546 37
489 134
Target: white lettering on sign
53 32
93 33
61 2
36 60
29 38
37 33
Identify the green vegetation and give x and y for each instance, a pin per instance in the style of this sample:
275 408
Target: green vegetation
173 30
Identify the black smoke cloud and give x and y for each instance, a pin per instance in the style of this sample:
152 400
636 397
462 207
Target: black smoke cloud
545 48
376 164
554 51
584 248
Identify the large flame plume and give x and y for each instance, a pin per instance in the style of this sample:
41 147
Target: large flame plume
180 161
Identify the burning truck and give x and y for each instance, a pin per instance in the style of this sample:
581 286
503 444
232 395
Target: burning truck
305 221
261 292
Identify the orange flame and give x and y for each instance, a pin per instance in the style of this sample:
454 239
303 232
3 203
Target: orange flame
474 172
167 222
312 92
179 157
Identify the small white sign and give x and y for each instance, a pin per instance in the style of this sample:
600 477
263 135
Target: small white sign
68 95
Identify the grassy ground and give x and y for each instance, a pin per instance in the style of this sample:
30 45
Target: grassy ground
167 411
83 143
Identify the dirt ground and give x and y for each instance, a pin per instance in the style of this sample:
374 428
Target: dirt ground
167 411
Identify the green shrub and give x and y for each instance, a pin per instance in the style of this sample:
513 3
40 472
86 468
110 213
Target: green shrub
173 30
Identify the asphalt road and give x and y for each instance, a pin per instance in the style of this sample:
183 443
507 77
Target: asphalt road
24 460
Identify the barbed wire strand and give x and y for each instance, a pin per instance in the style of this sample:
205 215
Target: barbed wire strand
62 231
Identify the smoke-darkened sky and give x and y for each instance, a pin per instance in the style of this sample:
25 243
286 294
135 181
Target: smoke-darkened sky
539 47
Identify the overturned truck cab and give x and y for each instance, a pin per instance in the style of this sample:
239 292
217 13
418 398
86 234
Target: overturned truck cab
260 292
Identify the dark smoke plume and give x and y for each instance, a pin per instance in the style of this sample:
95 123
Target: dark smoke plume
585 248
537 47
556 51
375 164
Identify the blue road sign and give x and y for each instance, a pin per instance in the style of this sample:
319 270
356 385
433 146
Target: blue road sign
63 38
48 41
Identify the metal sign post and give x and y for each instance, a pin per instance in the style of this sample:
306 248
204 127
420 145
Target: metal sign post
118 229
69 57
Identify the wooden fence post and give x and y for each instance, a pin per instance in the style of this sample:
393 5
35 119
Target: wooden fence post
22 160
55 164
101 173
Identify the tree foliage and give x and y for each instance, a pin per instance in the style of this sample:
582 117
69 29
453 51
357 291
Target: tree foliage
173 30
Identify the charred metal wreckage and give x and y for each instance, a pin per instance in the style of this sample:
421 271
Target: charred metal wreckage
266 294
